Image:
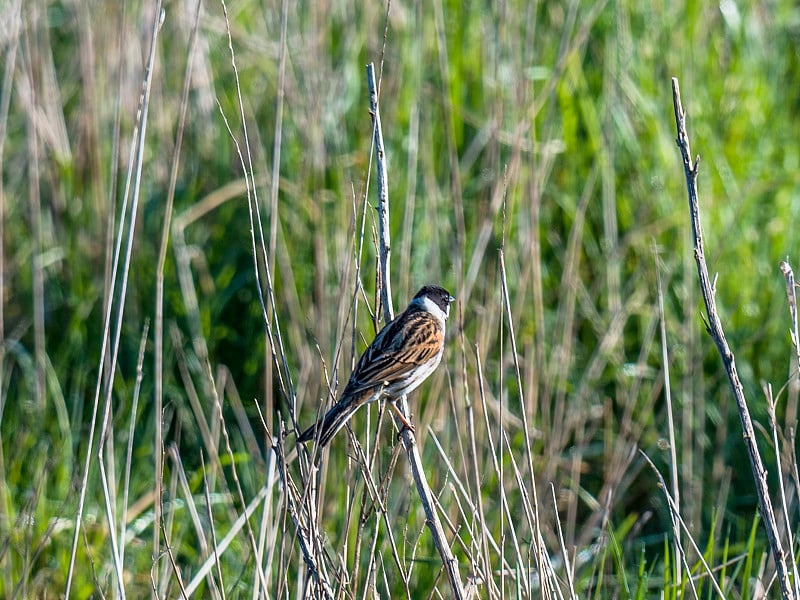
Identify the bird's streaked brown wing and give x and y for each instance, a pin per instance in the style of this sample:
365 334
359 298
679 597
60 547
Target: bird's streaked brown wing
407 342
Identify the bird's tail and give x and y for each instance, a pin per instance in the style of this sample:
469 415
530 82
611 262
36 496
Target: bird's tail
324 429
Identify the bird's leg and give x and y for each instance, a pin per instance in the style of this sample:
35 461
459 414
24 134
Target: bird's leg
402 417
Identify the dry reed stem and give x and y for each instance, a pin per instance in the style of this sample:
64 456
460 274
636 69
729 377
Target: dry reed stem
406 435
715 330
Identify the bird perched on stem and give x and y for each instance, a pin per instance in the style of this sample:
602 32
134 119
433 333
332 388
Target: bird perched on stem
403 354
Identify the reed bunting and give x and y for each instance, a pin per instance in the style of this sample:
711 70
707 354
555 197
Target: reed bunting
399 359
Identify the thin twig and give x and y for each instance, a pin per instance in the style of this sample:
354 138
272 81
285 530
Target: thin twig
714 328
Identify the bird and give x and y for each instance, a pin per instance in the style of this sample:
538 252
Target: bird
403 355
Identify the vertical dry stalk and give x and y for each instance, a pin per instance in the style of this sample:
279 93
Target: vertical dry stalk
714 328
409 440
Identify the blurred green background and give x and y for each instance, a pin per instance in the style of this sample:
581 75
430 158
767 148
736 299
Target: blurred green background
544 128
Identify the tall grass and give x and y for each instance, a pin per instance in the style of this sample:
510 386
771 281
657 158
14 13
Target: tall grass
533 172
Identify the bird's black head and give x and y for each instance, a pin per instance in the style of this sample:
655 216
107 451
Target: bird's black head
436 294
